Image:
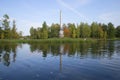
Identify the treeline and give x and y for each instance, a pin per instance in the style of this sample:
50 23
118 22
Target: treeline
7 31
82 30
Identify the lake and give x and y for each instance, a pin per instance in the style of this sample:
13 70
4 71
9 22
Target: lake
54 61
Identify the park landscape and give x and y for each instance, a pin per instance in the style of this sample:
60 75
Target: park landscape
42 41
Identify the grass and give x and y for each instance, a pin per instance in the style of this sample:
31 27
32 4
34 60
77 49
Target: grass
50 40
53 40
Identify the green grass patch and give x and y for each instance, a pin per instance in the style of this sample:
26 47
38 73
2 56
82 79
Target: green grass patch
50 40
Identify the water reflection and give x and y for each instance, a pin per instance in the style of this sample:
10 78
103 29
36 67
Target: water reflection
101 49
8 53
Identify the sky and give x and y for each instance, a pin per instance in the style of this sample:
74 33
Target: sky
29 13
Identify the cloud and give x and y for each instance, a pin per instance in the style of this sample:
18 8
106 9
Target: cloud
84 2
71 8
110 17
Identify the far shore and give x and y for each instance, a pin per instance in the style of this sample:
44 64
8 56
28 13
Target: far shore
55 40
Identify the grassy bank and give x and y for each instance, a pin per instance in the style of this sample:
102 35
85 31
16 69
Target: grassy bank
53 40
50 40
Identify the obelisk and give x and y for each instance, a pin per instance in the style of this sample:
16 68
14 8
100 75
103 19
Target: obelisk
61 33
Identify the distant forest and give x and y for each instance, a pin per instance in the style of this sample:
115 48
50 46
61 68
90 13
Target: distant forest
82 30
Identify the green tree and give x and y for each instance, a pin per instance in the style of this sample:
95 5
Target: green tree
81 29
20 34
111 30
44 30
100 32
6 26
78 31
1 31
104 28
94 30
14 31
38 33
32 32
54 30
118 31
86 31
72 29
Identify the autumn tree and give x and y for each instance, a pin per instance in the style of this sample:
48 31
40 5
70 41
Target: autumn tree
66 31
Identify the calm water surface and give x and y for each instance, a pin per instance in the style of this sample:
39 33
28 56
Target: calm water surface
68 61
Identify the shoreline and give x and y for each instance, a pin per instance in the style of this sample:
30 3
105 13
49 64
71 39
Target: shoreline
56 40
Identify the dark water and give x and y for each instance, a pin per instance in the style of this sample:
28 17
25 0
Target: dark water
69 61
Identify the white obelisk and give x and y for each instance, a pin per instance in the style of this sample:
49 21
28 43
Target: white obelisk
61 33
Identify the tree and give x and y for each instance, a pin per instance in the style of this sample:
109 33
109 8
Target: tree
1 31
38 33
66 31
54 30
72 30
111 30
6 26
74 33
94 30
104 28
81 29
78 31
6 22
45 30
86 31
32 32
14 31
20 34
118 31
100 33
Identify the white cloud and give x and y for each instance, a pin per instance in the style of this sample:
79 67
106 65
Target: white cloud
68 6
110 17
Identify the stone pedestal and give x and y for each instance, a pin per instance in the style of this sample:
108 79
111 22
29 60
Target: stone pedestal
61 33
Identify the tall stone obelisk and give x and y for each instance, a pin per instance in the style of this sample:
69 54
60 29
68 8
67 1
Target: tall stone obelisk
61 33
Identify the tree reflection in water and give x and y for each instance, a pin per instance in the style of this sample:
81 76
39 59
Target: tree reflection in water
8 53
100 49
